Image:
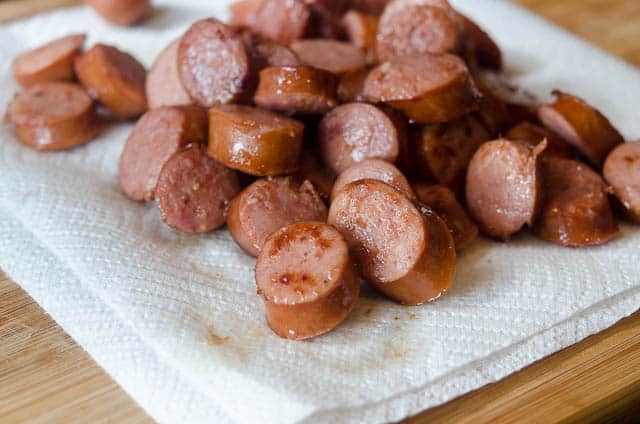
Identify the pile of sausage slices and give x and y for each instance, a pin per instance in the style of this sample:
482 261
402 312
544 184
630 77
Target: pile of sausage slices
338 139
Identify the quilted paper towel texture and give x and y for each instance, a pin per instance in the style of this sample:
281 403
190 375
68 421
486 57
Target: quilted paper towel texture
175 318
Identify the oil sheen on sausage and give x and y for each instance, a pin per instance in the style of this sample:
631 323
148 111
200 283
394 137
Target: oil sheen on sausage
374 169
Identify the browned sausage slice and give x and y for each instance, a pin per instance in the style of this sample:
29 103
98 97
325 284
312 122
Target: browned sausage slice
443 151
534 134
283 21
411 27
443 202
157 136
213 63
504 187
307 280
163 85
301 89
53 116
576 210
354 132
351 86
427 88
122 12
268 205
334 56
581 125
52 61
404 253
374 169
254 141
481 48
622 171
193 191
115 78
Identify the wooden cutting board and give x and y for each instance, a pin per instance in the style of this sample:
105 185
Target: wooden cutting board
46 377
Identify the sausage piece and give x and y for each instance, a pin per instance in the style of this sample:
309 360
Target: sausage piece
283 21
504 187
213 63
581 125
122 12
334 56
53 116
244 12
443 202
307 280
405 253
319 175
361 28
576 211
426 88
115 78
193 191
52 61
269 204
302 89
157 136
622 171
351 86
412 27
374 169
163 86
481 49
254 141
354 132
533 135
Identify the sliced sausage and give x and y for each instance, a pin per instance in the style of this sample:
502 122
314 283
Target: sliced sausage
53 116
351 86
622 171
193 191
115 78
443 151
122 12
302 89
374 169
334 56
354 132
319 175
163 85
244 12
581 125
480 47
406 254
534 134
361 28
52 61
504 187
268 53
268 205
443 202
413 27
307 280
576 210
283 21
426 88
213 63
254 141
157 136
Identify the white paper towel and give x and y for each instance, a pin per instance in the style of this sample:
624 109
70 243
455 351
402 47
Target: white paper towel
175 319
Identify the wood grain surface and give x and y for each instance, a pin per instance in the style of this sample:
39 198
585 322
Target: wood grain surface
47 378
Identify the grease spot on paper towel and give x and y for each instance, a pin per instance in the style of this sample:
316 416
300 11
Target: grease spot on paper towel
214 339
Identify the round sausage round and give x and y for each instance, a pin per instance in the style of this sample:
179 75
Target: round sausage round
334 56
193 191
307 280
53 116
503 190
576 210
115 78
374 169
269 204
163 85
283 21
254 141
157 136
427 88
581 125
302 89
354 132
405 253
213 63
50 62
122 12
622 171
